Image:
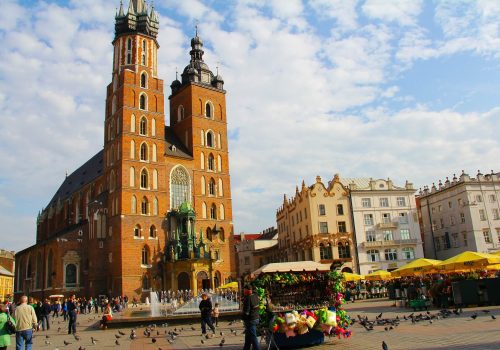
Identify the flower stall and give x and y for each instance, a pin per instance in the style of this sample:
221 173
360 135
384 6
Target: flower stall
300 303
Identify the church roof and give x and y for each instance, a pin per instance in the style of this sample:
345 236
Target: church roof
85 174
174 147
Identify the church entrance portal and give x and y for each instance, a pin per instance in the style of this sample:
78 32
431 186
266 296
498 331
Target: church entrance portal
183 281
203 282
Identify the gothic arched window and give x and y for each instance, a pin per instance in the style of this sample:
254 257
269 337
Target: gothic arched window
143 126
210 139
152 231
145 256
213 212
143 80
211 162
209 110
137 231
144 151
50 268
143 102
180 113
129 51
179 187
211 187
144 178
144 206
70 275
144 50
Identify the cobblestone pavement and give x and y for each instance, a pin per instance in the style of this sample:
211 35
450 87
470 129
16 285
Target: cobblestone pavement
453 333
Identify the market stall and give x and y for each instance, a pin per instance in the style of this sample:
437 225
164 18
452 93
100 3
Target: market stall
300 303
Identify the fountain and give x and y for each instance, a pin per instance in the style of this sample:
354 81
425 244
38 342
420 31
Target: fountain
155 304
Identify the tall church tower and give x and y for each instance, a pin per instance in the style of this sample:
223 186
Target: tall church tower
133 151
198 118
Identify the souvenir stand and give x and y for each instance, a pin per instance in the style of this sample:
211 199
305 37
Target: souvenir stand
300 303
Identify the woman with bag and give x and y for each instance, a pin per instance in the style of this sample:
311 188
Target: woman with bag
106 317
4 332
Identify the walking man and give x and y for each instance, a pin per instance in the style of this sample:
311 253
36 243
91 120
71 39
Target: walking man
250 317
45 314
72 310
25 321
206 314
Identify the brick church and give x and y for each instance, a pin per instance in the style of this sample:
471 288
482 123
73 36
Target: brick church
152 209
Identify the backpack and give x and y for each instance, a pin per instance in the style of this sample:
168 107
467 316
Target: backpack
9 326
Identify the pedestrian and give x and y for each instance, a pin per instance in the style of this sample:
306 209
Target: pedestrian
250 317
215 315
106 317
65 310
45 310
25 322
72 312
4 334
206 313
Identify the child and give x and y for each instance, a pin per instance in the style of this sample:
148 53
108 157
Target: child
215 315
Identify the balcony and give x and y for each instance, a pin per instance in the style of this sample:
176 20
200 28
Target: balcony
387 225
394 242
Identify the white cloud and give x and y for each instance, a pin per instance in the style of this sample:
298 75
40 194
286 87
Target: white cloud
343 11
403 12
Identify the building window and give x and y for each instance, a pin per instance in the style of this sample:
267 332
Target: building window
401 201
495 214
325 252
408 253
144 152
211 162
145 283
129 51
391 254
144 179
247 260
452 220
437 242
213 212
221 188
464 237
387 235
152 231
487 236
142 102
384 202
143 80
344 251
208 110
403 218
322 210
210 139
368 219
323 227
366 202
211 187
462 218
145 256
405 234
180 114
143 126
482 215
454 240
498 234
479 198
373 255
144 50
370 236
342 227
492 198
155 206
144 206
446 241
386 218
70 276
340 209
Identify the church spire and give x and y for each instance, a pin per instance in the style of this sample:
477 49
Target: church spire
120 12
137 20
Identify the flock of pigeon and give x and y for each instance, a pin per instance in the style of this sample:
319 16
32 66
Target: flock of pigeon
154 333
391 323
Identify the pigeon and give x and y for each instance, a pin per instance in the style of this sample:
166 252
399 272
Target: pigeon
221 334
117 342
474 316
384 346
94 341
153 340
117 336
47 342
66 343
47 336
379 316
170 341
493 317
202 341
486 311
81 348
121 333
157 332
77 338
193 329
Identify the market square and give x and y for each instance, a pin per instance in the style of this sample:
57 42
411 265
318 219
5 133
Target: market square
192 214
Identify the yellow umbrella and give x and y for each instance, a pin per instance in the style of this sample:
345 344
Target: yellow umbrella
232 285
378 275
415 267
468 261
349 277
496 253
493 267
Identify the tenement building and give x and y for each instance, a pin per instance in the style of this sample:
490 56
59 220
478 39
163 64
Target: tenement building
152 209
6 275
386 223
316 225
461 214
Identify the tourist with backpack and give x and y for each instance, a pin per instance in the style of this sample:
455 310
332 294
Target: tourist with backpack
7 327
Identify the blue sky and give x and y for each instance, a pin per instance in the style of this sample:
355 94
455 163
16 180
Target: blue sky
314 88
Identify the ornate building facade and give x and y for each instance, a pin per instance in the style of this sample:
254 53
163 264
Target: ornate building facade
316 225
152 210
